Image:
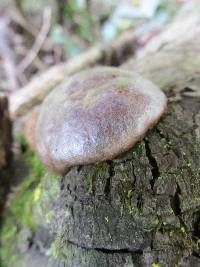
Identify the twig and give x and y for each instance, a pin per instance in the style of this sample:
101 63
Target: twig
7 55
38 42
18 17
19 6
33 93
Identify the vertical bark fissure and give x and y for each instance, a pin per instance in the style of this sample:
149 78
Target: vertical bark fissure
109 180
175 202
153 164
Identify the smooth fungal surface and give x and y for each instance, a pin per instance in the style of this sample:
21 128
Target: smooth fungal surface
95 116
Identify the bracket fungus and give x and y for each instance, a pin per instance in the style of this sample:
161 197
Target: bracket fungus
95 116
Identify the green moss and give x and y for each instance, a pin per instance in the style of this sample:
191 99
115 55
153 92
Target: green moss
170 211
125 204
125 176
90 183
45 196
155 265
157 224
106 219
68 254
19 212
130 209
61 249
121 209
99 170
57 246
139 149
168 145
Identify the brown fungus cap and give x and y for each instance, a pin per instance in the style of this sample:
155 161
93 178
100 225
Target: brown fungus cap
95 116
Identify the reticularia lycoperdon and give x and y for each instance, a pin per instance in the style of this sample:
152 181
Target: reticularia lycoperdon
95 116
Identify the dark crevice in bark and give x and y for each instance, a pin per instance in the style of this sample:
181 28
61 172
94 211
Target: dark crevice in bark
140 202
107 187
30 242
108 251
79 168
186 90
72 212
133 174
69 190
108 180
152 161
152 241
196 232
195 254
62 184
121 251
175 202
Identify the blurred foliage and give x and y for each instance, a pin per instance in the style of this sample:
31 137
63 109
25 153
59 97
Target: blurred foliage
30 205
77 24
20 208
74 27
134 13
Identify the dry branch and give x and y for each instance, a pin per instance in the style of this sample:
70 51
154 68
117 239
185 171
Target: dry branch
33 93
17 15
42 35
7 55
172 58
